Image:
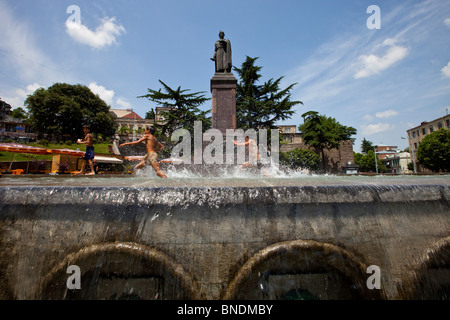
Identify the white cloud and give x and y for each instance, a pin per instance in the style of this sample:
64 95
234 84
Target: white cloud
386 114
368 117
108 96
447 22
105 94
372 64
19 96
104 35
123 103
446 71
376 128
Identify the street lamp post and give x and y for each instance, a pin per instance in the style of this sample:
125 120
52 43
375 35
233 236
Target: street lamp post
376 162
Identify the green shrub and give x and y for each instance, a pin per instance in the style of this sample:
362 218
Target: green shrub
300 159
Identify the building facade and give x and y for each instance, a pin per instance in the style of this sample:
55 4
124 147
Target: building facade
11 128
129 123
16 129
416 134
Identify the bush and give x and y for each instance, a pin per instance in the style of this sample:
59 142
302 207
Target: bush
300 159
44 142
39 165
63 167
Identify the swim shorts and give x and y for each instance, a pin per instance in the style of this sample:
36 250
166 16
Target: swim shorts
151 158
90 154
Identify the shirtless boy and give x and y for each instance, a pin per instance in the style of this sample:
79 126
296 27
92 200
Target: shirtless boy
252 149
151 157
90 153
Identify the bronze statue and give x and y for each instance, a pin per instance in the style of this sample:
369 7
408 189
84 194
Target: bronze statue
222 54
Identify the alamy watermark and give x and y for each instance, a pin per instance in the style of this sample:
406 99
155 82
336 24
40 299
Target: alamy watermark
374 21
76 14
209 147
374 281
74 280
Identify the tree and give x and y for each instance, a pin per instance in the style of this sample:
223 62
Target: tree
261 106
323 132
150 114
366 146
434 151
366 162
61 111
19 113
184 108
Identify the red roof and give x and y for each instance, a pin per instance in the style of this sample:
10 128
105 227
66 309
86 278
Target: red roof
132 115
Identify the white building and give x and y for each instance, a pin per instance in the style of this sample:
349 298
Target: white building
398 162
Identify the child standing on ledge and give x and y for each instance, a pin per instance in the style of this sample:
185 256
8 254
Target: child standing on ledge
90 153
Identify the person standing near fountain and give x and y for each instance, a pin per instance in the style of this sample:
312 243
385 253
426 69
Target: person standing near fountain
251 149
151 157
90 152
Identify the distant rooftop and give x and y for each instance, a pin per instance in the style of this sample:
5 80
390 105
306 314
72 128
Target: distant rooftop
125 114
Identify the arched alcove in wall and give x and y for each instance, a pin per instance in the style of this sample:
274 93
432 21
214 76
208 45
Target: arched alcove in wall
432 277
302 269
122 271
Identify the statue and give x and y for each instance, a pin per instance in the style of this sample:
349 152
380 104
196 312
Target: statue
222 54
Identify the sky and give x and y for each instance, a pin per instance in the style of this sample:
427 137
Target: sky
379 66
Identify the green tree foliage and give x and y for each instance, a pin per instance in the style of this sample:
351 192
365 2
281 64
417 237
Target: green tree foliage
366 162
184 108
61 110
261 106
300 159
151 115
434 151
366 146
19 113
323 132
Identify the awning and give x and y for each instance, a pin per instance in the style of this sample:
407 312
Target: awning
69 152
20 148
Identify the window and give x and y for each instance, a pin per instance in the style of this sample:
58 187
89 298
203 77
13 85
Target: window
431 129
439 125
418 134
414 134
424 131
10 128
448 123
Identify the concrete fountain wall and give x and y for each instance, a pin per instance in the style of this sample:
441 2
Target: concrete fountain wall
225 242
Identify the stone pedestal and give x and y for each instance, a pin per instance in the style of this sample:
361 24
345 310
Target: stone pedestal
223 89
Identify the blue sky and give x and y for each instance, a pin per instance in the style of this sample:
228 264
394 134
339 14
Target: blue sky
380 81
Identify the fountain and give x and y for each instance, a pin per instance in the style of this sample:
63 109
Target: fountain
235 234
